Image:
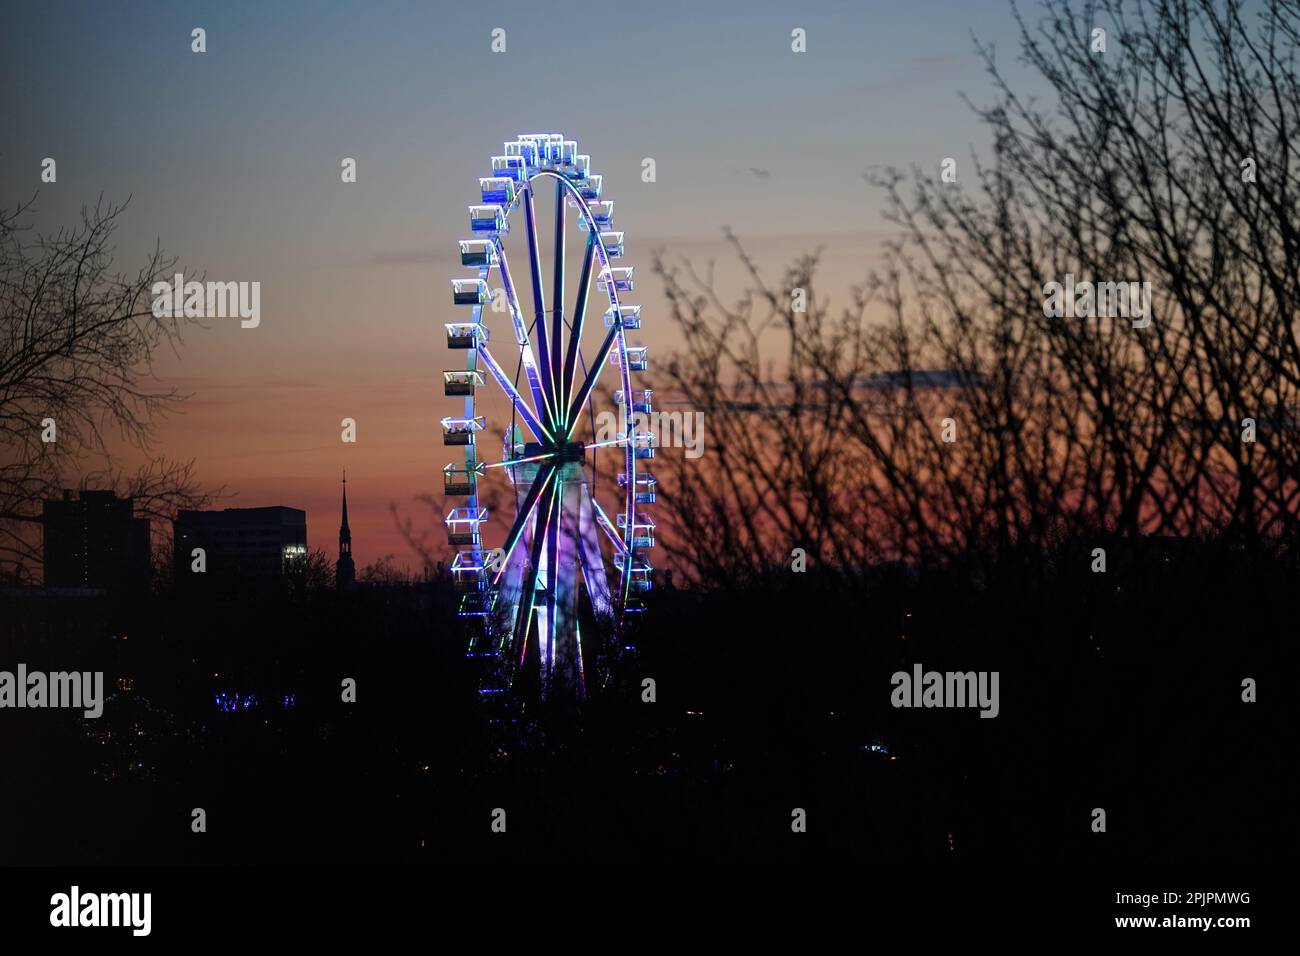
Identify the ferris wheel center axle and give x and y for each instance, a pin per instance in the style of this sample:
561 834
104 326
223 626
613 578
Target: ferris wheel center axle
571 451
566 453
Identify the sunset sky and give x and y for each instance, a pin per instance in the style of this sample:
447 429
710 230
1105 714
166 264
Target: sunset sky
231 159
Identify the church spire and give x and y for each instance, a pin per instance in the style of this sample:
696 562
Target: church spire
345 572
345 533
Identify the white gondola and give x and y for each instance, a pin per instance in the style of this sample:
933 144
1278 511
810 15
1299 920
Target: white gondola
590 187
643 445
645 486
497 189
641 399
463 526
542 142
525 149
631 316
467 568
465 335
480 602
461 382
509 167
551 150
460 478
548 147
489 219
641 577
477 252
613 243
637 358
470 292
643 530
620 279
460 431
602 215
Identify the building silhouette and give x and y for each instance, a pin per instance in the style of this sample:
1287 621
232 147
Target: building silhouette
345 571
94 541
245 543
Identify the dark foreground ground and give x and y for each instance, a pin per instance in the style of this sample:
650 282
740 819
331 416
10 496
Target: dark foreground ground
1120 691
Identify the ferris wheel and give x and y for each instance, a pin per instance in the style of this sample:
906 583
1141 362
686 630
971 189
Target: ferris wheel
562 559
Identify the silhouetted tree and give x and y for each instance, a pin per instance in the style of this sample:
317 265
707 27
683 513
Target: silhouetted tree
76 345
1167 159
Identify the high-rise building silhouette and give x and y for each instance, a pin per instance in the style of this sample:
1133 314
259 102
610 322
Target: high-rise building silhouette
94 541
245 543
345 571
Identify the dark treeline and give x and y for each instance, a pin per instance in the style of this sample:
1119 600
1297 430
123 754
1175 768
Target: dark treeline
1119 690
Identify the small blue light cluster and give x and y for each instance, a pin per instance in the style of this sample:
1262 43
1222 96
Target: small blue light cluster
231 703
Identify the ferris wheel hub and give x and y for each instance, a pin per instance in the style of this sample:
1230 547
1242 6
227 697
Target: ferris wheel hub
570 451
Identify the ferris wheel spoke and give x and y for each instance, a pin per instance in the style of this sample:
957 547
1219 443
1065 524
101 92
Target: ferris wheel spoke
524 617
498 373
544 476
541 403
607 526
557 300
575 410
512 462
575 333
539 304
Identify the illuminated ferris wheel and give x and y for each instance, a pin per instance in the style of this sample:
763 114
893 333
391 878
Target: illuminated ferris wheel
562 559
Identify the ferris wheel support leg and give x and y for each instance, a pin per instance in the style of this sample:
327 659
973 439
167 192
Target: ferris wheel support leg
548 613
524 618
593 568
562 574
